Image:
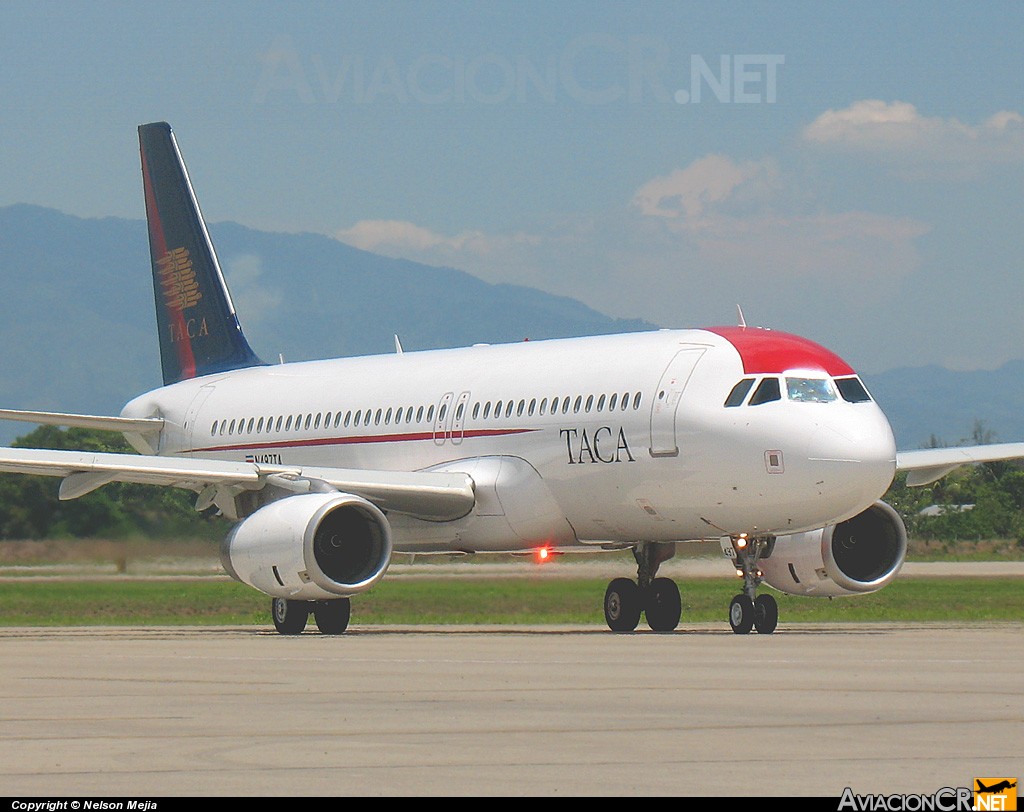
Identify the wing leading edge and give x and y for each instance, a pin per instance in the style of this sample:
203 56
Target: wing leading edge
929 465
430 495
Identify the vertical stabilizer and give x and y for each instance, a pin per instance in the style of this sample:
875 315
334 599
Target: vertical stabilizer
199 331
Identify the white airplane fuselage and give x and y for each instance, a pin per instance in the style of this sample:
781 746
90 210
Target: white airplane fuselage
639 446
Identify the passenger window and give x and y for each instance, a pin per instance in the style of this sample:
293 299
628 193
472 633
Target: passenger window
487 410
636 401
612 401
533 407
600 403
544 406
767 391
590 404
387 417
739 392
521 409
508 409
213 430
852 390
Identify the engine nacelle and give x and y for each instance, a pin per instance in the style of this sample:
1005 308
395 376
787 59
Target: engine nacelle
312 546
860 555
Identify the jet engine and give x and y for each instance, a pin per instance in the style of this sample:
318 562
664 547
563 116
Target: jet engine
314 546
860 555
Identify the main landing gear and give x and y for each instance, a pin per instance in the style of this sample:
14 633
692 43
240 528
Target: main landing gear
331 617
658 598
748 610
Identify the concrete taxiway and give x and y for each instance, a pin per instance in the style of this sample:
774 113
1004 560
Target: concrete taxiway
880 708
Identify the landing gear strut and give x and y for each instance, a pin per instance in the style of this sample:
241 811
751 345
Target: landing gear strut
290 617
625 600
748 610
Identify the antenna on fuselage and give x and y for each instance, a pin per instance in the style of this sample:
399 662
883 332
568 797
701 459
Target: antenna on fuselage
740 321
398 345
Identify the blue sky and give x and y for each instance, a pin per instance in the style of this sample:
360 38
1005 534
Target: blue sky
850 172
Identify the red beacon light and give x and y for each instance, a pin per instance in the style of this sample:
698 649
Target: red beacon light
543 555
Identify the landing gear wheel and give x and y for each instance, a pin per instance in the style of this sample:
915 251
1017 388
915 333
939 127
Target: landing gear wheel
622 605
741 614
289 616
332 616
766 614
663 606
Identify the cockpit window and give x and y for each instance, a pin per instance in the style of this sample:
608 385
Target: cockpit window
739 392
767 391
810 390
852 390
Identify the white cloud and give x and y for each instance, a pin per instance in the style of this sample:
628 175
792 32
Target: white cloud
689 243
402 238
897 130
710 180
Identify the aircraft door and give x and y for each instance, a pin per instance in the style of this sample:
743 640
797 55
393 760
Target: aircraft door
459 418
666 401
443 418
191 428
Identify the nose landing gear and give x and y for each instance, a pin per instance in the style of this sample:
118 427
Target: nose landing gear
748 610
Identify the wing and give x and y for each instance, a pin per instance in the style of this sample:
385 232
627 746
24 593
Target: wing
141 425
431 495
931 464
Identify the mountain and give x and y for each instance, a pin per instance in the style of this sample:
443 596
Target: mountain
77 320
77 313
933 402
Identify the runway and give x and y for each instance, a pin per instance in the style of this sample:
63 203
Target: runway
880 708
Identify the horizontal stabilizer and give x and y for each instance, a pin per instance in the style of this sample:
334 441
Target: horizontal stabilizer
142 425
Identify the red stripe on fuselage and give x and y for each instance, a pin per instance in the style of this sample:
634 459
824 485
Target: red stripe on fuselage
358 440
767 352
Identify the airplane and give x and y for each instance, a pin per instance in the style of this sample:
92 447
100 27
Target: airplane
761 439
1001 786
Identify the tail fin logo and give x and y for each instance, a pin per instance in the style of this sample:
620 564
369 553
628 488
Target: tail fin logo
178 280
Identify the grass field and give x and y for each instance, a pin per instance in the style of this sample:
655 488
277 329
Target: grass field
452 600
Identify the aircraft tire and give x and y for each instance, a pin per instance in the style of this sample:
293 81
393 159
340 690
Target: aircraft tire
332 616
663 606
766 614
289 616
622 605
741 614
